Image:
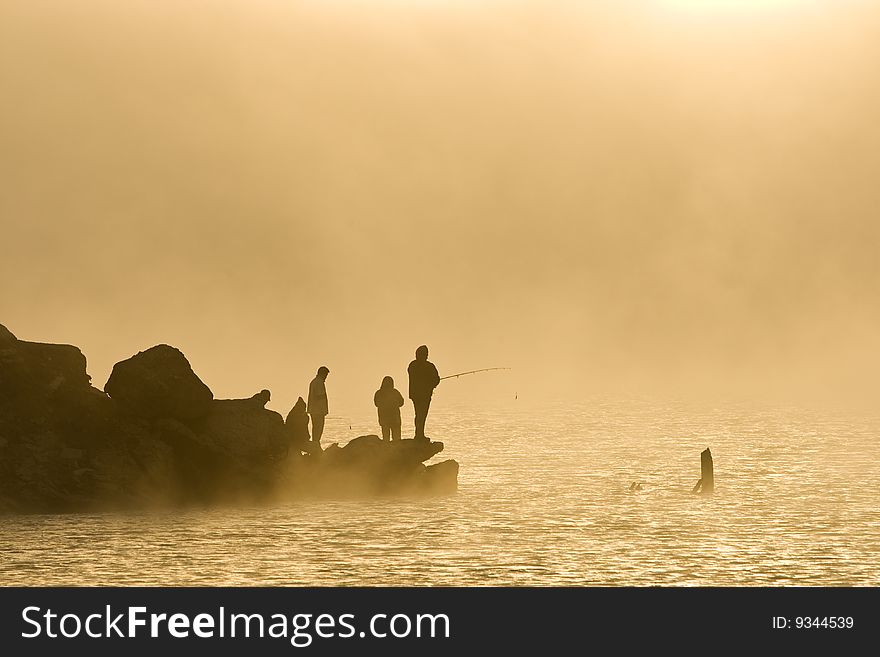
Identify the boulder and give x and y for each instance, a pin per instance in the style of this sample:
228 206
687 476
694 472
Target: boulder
159 383
417 450
373 452
242 428
368 466
440 478
414 451
365 444
39 369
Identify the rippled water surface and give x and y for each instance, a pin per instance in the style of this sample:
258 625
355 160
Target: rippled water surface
543 500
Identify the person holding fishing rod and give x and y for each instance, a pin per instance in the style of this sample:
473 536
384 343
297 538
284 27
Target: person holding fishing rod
423 378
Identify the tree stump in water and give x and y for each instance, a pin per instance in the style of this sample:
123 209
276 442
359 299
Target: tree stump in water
706 484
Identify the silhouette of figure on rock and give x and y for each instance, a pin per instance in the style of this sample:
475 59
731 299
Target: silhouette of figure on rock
423 378
318 407
297 425
389 400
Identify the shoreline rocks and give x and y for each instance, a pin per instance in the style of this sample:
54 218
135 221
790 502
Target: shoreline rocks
156 437
159 383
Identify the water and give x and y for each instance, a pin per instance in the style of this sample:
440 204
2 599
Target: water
543 500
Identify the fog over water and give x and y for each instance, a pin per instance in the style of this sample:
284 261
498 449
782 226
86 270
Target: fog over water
543 501
600 195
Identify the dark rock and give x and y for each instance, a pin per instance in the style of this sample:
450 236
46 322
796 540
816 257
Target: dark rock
414 451
368 466
420 450
440 478
159 383
364 444
240 428
72 453
31 475
38 369
85 457
212 468
261 398
6 336
136 468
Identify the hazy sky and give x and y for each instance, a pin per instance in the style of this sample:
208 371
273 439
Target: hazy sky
592 193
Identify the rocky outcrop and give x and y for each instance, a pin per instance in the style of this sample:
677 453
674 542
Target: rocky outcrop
369 466
159 383
39 370
64 445
157 437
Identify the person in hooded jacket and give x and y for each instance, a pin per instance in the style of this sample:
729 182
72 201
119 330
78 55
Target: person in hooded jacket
389 400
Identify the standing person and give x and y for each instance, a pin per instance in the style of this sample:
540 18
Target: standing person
423 378
318 408
389 400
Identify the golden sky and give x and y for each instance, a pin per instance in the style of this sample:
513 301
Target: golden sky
593 193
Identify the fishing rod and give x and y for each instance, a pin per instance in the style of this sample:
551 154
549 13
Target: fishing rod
486 369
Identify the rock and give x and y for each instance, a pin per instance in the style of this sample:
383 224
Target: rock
420 450
231 457
440 478
72 454
369 466
37 369
364 444
63 458
159 383
32 476
261 398
6 336
241 428
134 469
86 419
414 451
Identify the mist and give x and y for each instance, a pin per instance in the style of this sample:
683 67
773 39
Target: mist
598 195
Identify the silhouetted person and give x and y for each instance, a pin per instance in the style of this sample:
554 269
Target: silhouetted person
297 425
423 378
318 404
389 400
